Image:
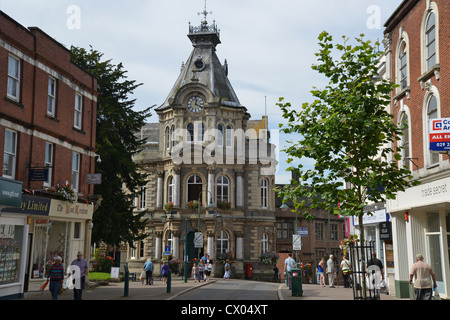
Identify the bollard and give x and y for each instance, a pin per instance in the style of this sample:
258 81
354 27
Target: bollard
127 280
169 281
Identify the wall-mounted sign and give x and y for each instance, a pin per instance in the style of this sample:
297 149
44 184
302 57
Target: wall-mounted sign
385 230
440 134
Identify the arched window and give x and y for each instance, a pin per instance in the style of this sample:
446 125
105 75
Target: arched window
194 187
223 189
190 132
406 148
167 138
430 41
403 66
264 193
223 242
432 113
200 132
229 136
265 243
219 137
170 189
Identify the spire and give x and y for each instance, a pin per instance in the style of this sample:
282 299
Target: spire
204 34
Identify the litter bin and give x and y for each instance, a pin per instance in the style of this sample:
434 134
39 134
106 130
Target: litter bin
296 282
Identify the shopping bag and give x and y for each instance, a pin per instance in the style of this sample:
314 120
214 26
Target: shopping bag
436 295
44 285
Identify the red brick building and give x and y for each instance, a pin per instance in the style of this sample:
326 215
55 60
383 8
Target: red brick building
418 60
47 138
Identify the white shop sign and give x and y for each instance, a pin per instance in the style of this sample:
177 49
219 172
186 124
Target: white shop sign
426 194
377 217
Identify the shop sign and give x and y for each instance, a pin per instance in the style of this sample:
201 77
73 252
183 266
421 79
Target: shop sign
31 206
65 209
375 217
440 134
11 192
385 230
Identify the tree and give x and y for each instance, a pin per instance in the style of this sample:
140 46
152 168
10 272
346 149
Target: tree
348 132
116 143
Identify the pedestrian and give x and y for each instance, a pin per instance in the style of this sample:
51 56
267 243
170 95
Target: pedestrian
195 272
208 267
375 273
346 271
165 271
148 268
331 271
56 276
422 285
80 278
201 270
227 268
321 272
289 264
276 274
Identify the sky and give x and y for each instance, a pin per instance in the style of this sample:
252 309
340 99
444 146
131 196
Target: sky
269 45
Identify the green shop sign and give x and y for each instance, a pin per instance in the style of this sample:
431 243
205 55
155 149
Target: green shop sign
10 193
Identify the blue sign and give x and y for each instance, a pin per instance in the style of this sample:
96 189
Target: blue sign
302 232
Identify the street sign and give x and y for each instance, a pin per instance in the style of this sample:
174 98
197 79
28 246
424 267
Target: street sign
198 240
296 242
302 232
94 178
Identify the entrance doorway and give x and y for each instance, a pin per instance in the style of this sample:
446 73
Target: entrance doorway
191 251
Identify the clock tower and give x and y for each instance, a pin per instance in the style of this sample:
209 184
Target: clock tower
206 152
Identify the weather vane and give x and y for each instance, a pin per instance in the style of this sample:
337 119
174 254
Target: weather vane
205 12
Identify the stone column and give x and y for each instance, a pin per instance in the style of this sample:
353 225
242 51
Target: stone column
210 193
239 189
177 189
210 247
176 247
239 246
159 190
158 244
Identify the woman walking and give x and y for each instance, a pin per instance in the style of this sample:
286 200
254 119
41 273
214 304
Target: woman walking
320 272
227 268
56 275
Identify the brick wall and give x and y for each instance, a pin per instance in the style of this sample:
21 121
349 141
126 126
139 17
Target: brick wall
42 57
409 21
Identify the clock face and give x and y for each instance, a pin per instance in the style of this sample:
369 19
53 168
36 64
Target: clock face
195 104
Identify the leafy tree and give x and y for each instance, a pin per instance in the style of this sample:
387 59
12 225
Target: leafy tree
348 132
116 143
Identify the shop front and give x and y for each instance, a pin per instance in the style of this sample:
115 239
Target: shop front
13 240
421 224
63 232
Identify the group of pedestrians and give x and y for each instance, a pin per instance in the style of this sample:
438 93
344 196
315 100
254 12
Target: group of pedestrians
202 271
77 274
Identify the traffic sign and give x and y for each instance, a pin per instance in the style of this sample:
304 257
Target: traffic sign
296 242
198 240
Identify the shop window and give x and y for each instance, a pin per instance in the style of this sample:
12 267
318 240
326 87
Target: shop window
434 244
11 244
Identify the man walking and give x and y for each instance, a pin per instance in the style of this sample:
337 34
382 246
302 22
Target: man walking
148 268
289 264
83 266
331 271
423 272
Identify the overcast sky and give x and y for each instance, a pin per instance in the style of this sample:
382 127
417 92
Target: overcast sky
269 44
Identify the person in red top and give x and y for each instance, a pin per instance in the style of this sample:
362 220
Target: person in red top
56 275
424 274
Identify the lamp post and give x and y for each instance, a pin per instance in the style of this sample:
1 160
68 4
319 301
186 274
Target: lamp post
210 206
285 207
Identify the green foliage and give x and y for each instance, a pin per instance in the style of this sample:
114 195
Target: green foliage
116 143
349 133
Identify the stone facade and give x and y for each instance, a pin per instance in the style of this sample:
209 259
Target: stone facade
205 147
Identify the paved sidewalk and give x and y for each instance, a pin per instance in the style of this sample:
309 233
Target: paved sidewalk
317 292
158 291
116 291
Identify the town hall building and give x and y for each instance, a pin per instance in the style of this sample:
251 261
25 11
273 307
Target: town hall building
211 171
